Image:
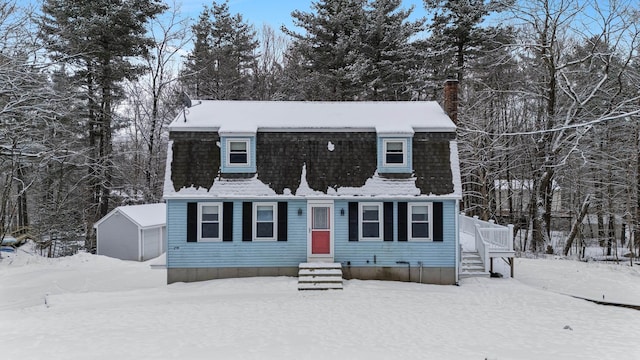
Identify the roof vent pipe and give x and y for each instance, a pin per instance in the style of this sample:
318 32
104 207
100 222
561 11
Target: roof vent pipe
451 98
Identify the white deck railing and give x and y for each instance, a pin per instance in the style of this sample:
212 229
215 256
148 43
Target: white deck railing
488 234
482 247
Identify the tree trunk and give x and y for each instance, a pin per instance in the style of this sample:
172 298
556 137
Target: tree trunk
23 215
541 218
576 225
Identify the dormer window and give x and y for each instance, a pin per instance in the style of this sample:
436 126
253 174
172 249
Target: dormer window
238 152
395 152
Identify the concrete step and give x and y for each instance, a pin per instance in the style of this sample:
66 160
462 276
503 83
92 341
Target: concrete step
320 276
318 286
320 279
317 272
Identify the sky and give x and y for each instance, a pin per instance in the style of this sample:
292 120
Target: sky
273 12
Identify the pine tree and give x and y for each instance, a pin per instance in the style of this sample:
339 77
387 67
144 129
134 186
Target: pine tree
327 50
224 55
387 56
456 31
100 40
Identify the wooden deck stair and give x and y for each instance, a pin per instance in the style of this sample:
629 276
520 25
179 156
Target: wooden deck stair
320 276
472 265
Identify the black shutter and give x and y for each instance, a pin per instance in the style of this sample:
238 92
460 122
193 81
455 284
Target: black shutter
192 222
283 215
227 221
402 221
247 221
437 222
388 221
353 221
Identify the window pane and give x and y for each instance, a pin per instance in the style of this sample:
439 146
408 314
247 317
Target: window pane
394 146
370 213
264 230
238 158
320 218
419 213
209 217
395 158
210 213
238 146
210 230
370 230
265 213
420 230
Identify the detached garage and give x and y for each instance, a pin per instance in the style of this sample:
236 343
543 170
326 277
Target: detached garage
137 232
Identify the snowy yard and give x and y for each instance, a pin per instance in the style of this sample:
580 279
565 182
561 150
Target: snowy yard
89 306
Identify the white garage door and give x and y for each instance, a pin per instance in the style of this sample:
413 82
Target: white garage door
151 243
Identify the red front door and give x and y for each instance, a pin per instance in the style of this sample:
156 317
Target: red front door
320 230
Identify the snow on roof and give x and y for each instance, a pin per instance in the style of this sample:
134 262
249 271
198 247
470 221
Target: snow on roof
148 215
246 117
455 168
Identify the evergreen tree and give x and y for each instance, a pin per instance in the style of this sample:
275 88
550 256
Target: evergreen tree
198 65
220 66
324 55
100 40
456 31
386 57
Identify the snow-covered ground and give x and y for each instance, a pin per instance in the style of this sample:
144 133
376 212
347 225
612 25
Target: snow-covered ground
93 307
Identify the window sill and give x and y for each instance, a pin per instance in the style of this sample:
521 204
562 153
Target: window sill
209 240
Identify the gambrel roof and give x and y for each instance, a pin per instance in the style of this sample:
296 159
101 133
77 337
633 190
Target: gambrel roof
312 149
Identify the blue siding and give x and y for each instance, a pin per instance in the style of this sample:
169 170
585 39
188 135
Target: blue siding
237 253
431 254
251 168
395 169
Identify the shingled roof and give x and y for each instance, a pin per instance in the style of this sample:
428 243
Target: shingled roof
315 149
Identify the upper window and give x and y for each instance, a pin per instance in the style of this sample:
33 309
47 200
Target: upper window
237 152
370 221
420 221
209 221
395 152
264 225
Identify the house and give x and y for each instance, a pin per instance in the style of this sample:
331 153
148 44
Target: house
259 188
135 232
516 195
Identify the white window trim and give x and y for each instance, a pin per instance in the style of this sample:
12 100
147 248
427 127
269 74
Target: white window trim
404 153
254 225
410 221
228 150
200 238
380 221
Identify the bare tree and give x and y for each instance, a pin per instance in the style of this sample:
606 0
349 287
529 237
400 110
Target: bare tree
571 94
153 100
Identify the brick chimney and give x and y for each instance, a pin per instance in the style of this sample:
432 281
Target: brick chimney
451 99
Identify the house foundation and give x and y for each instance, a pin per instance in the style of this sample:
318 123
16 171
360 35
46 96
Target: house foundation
426 275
